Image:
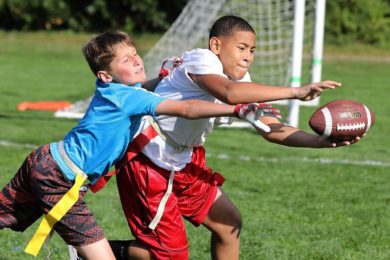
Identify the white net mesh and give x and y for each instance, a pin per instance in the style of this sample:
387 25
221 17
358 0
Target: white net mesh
271 19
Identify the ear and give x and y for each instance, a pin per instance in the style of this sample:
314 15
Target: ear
104 76
215 45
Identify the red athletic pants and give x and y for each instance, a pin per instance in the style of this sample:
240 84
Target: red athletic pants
141 186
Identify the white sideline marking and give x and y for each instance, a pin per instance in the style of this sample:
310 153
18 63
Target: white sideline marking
6 143
301 159
222 156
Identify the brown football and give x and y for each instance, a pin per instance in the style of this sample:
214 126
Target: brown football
342 120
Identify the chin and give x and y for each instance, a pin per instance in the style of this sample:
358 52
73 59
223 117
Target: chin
237 77
143 80
140 78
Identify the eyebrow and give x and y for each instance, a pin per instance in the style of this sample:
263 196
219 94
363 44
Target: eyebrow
127 54
124 56
247 45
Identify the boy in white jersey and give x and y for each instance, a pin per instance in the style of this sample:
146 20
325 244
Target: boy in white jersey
48 183
170 180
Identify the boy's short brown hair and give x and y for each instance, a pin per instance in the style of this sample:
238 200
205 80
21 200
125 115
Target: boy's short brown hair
101 50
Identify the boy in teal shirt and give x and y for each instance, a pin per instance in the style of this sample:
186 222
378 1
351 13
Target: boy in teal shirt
50 178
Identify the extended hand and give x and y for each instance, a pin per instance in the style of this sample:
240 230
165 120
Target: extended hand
253 111
314 90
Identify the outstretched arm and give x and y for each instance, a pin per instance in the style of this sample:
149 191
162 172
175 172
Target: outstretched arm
294 137
193 109
247 92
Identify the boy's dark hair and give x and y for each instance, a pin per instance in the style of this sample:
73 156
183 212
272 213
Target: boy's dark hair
226 25
101 50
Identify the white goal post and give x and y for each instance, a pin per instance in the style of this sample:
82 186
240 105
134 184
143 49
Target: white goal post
317 52
284 28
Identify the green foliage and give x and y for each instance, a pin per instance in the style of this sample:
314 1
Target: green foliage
347 21
97 15
364 21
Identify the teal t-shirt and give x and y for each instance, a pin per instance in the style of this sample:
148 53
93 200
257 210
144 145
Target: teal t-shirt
101 137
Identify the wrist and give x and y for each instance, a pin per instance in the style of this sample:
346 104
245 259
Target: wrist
294 92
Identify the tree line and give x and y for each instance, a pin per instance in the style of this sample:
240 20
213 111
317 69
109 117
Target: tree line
365 21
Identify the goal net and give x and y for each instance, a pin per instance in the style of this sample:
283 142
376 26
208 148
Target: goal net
273 21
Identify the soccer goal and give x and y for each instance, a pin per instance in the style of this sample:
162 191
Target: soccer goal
289 38
289 41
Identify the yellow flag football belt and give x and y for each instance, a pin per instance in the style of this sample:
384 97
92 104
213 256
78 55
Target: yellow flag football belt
59 210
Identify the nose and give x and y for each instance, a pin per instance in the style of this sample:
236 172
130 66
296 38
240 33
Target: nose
136 61
248 57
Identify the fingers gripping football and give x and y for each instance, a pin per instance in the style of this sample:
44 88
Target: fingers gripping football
253 111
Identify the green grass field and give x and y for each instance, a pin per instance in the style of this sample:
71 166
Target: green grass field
295 203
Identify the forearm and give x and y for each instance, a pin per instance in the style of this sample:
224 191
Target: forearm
195 109
240 92
293 137
231 92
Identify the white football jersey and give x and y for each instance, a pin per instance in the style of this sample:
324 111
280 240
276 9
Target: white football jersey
186 133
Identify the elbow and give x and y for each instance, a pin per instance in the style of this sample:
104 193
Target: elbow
232 97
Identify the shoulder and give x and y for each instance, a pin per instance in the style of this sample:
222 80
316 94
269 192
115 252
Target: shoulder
200 56
121 94
202 61
135 91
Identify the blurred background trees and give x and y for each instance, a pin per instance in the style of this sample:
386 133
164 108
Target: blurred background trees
347 21
89 15
364 21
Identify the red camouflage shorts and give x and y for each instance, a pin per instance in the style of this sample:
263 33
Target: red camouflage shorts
37 186
141 186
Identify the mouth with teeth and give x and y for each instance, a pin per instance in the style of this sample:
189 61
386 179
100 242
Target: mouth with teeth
139 71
